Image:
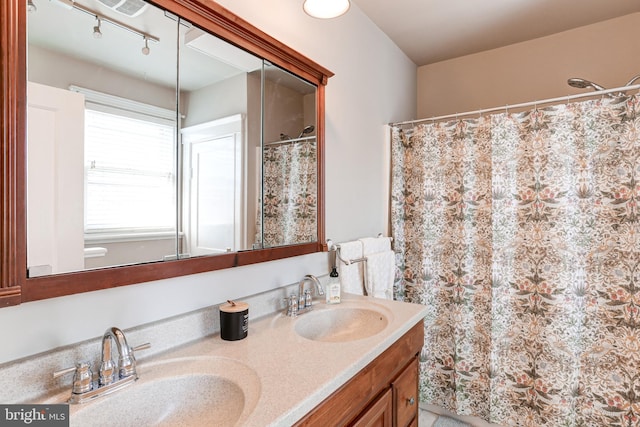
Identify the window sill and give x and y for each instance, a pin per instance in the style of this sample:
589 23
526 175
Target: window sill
129 237
96 252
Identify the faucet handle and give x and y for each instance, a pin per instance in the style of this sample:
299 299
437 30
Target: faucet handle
82 377
64 371
292 309
144 346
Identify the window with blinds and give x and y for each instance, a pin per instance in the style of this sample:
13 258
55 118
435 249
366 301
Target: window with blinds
130 179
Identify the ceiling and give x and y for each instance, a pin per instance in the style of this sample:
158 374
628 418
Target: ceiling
430 31
67 31
427 31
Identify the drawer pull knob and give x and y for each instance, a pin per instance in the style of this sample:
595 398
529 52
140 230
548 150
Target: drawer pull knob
411 401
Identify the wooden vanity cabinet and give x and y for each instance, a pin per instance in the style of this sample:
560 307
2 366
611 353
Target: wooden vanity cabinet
384 393
380 413
405 395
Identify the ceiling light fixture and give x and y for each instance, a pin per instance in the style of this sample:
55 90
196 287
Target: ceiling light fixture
31 7
326 9
145 49
97 34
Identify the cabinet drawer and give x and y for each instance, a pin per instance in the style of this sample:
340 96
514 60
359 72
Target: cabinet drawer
405 395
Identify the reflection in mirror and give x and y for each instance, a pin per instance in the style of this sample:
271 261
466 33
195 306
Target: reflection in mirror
146 140
220 97
101 126
290 179
60 46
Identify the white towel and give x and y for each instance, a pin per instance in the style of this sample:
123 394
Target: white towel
373 245
351 276
380 274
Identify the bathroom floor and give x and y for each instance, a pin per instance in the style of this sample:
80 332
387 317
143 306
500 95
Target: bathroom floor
435 416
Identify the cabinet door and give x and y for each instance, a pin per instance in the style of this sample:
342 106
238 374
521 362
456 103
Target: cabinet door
379 413
405 395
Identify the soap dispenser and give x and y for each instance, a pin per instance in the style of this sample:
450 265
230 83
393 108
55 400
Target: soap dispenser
333 287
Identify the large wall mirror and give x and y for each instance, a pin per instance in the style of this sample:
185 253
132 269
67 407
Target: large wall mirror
158 139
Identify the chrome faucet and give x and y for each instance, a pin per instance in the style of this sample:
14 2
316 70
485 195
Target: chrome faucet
111 377
305 298
126 360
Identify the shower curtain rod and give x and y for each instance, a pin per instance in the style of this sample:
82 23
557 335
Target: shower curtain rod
522 105
289 141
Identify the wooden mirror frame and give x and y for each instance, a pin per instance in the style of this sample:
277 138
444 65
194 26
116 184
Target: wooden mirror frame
15 286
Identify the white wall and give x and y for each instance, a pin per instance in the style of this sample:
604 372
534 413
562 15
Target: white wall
375 83
204 104
606 53
72 71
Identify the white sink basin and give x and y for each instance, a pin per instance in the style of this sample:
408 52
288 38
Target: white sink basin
342 323
200 391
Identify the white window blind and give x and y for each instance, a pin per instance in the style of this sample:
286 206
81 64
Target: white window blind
130 173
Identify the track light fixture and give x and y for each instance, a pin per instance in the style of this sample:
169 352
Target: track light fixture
145 49
97 34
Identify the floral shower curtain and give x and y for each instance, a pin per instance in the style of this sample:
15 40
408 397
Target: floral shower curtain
290 192
520 233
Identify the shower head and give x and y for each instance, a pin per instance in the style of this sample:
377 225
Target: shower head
306 130
633 79
583 84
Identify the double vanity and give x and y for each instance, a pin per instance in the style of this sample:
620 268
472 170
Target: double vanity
348 363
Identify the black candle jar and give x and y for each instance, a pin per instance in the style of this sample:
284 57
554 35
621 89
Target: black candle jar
234 320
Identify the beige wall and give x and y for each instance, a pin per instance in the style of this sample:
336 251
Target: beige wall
283 111
606 53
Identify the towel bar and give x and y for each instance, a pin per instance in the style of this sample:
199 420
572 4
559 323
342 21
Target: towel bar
336 248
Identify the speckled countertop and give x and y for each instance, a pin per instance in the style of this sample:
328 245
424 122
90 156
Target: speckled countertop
284 375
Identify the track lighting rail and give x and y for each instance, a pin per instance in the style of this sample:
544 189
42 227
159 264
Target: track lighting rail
99 16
